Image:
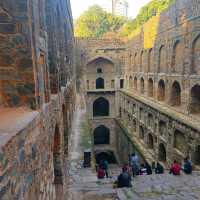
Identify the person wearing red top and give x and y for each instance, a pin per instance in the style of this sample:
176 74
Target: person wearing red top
176 168
101 173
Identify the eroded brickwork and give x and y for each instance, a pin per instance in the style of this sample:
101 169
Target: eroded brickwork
37 98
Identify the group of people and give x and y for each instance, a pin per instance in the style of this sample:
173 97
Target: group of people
134 168
144 168
186 168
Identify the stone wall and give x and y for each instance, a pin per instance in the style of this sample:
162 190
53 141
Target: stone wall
159 103
37 98
162 82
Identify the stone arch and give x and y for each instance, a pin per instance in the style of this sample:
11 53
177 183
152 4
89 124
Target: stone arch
177 57
99 58
57 160
135 83
194 106
101 107
150 141
162 60
101 135
150 120
141 61
162 156
100 83
196 155
135 63
195 69
105 155
150 87
130 82
161 90
141 132
175 99
180 141
162 128
150 60
142 86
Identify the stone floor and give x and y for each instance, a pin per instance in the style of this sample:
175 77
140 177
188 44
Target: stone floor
84 185
163 187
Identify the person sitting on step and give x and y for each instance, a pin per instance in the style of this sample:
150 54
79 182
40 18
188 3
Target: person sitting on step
159 169
187 167
124 179
148 167
175 169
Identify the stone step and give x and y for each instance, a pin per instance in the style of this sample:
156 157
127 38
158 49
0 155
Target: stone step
165 187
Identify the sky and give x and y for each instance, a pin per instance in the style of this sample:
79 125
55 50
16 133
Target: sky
79 6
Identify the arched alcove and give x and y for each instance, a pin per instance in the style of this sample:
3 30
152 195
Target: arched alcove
101 107
161 90
141 132
177 57
196 155
195 69
162 128
150 141
101 135
142 61
135 83
175 99
150 61
179 141
130 82
195 100
150 87
99 83
105 155
162 60
162 153
135 68
142 86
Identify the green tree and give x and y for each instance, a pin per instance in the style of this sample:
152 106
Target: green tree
95 22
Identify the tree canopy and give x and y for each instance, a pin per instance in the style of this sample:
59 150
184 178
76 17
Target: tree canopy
95 22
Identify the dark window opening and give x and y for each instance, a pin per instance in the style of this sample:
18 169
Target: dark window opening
121 83
100 83
99 70
101 135
162 153
101 107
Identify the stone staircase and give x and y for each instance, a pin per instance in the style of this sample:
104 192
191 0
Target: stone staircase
163 187
153 187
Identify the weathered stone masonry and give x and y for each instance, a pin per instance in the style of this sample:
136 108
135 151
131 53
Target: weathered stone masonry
37 98
156 84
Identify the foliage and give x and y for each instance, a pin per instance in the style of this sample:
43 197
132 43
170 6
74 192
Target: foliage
95 22
155 7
